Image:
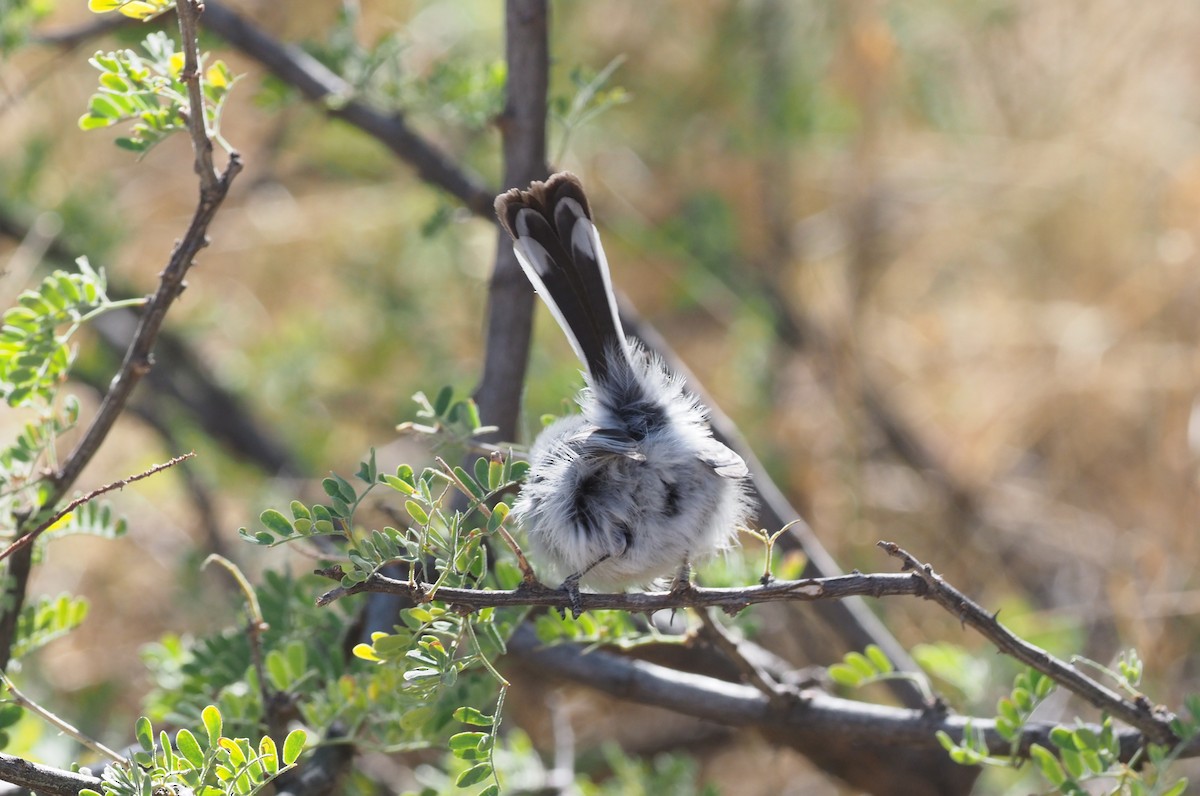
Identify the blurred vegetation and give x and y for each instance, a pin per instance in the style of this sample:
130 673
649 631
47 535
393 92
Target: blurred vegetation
984 213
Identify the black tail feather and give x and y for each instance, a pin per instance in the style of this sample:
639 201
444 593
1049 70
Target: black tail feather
557 246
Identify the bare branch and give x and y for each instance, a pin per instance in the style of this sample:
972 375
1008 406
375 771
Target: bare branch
317 83
19 698
1153 720
189 12
510 297
756 675
28 538
730 600
138 360
44 779
812 721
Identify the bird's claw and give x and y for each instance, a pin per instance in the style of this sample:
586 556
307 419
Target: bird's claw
682 582
574 598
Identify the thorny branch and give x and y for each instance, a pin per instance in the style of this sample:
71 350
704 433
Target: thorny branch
48 523
1153 720
730 600
922 581
138 360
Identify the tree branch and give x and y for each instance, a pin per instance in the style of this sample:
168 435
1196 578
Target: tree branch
44 779
510 296
135 365
809 720
1153 720
317 83
29 537
730 600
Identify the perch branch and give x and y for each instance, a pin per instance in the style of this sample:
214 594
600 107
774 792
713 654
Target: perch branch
730 600
1152 720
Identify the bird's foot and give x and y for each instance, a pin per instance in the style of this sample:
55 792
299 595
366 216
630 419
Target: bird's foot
574 598
682 582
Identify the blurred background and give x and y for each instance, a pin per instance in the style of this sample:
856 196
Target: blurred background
937 259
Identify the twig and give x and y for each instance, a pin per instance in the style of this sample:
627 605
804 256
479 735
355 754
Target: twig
136 363
29 537
730 600
756 676
62 726
44 779
329 91
255 627
189 12
1152 720
522 562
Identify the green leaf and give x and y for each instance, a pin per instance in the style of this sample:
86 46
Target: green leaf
1062 738
1072 762
442 402
293 745
473 716
10 714
842 674
398 484
144 733
211 717
268 756
416 512
276 522
1084 738
90 121
1051 769
277 670
1178 789
337 487
474 775
860 664
879 659
466 740
189 747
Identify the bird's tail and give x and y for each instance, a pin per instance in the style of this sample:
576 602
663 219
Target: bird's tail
559 249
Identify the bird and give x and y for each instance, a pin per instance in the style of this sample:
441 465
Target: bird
634 487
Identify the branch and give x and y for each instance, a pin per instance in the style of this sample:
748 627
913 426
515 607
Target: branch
842 732
137 361
19 698
510 296
28 538
189 12
44 779
730 600
1153 720
317 83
